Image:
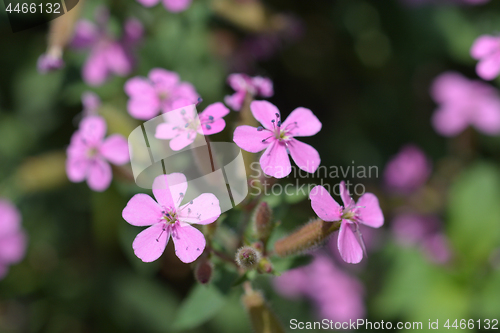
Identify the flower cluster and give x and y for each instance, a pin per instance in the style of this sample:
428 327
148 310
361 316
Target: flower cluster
12 237
243 85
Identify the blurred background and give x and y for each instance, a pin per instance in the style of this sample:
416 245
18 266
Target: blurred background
365 68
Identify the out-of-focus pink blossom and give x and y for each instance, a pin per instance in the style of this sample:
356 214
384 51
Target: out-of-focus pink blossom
486 49
12 237
183 124
408 170
91 103
336 295
278 138
50 61
437 248
108 55
366 211
89 154
174 6
243 84
168 218
158 93
463 102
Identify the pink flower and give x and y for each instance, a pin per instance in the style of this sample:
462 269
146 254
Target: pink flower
408 170
182 124
412 229
158 92
486 49
167 218
89 154
336 295
91 103
278 138
464 102
12 237
108 55
366 211
50 61
243 84
173 6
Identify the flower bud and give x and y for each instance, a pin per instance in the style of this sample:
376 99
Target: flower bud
203 271
306 238
247 257
262 220
265 266
262 318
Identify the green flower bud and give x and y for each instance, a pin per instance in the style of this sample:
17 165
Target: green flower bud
247 257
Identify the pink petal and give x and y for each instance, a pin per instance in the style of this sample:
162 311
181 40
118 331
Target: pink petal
92 129
275 162
184 139
76 168
12 247
176 6
10 218
487 118
189 243
448 122
95 69
264 112
162 79
144 103
117 60
85 35
349 248
148 3
115 149
489 67
238 81
169 190
77 147
91 102
484 45
250 139
306 123
204 209
166 131
371 214
235 101
142 210
138 86
151 242
185 91
449 86
344 194
324 205
100 175
263 85
306 157
217 111
133 31
212 127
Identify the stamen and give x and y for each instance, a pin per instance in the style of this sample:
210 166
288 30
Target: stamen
162 231
264 140
277 115
208 126
260 128
199 100
211 118
279 123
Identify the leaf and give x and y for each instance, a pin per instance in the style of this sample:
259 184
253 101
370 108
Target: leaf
284 264
202 303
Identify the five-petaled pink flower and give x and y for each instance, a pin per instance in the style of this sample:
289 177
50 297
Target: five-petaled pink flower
243 84
486 49
183 124
173 6
108 55
12 236
366 211
158 92
89 153
464 102
168 218
278 138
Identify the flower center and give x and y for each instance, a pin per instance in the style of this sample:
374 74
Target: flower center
170 216
163 95
91 152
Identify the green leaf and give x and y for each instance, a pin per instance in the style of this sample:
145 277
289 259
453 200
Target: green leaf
202 303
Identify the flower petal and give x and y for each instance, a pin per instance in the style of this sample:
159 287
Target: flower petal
204 209
238 81
85 35
169 190
217 111
484 45
487 118
142 210
151 242
235 101
167 131
371 214
117 59
189 243
349 247
305 156
275 161
99 175
176 6
250 139
76 168
344 194
148 3
13 247
302 122
10 217
488 68
162 79
264 112
92 129
263 85
324 205
448 122
115 149
182 140
95 70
